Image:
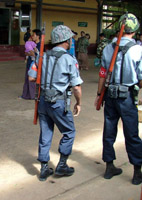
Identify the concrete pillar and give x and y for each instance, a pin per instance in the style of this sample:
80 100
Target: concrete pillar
99 18
39 14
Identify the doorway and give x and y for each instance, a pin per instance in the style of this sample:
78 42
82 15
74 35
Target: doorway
15 28
4 26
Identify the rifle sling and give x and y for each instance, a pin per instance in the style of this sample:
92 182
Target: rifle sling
57 55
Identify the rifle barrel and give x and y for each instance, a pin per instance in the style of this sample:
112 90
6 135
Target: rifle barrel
38 80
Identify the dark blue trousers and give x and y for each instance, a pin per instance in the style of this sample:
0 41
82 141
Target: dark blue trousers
128 112
50 114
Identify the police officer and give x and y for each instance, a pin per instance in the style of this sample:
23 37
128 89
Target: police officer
27 35
29 87
59 73
120 100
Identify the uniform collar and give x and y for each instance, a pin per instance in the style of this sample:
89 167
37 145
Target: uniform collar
59 49
126 38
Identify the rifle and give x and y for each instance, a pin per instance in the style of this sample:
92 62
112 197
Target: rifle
38 80
141 194
108 76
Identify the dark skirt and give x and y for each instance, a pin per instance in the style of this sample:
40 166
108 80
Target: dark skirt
29 87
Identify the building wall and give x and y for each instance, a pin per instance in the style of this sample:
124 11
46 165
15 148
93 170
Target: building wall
71 20
70 16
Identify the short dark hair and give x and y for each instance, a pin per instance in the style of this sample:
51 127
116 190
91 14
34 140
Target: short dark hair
82 32
137 34
102 35
75 32
28 37
37 32
87 34
28 28
117 31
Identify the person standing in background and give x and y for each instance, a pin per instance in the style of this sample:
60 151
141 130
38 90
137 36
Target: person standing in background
83 44
29 87
27 35
103 42
116 36
82 33
72 50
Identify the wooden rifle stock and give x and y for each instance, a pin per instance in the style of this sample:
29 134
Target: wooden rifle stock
141 194
108 76
38 80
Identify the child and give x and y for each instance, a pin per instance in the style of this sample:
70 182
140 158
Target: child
30 49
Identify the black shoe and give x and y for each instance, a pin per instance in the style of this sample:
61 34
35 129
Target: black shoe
137 177
111 171
45 172
62 168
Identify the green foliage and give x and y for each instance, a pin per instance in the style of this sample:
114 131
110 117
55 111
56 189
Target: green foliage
120 9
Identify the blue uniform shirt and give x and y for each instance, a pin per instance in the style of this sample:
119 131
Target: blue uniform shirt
66 71
132 66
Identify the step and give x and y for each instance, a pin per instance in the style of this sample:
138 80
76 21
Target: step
12 58
11 52
5 50
8 54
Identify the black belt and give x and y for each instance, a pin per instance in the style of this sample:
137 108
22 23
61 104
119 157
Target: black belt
60 96
131 88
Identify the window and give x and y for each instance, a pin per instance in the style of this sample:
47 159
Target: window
25 15
8 3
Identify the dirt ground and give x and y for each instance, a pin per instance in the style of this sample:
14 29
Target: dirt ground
19 168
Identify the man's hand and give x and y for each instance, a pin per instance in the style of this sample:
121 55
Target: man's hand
32 79
96 101
77 95
77 109
140 83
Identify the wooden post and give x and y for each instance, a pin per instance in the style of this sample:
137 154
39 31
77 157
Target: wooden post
99 19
